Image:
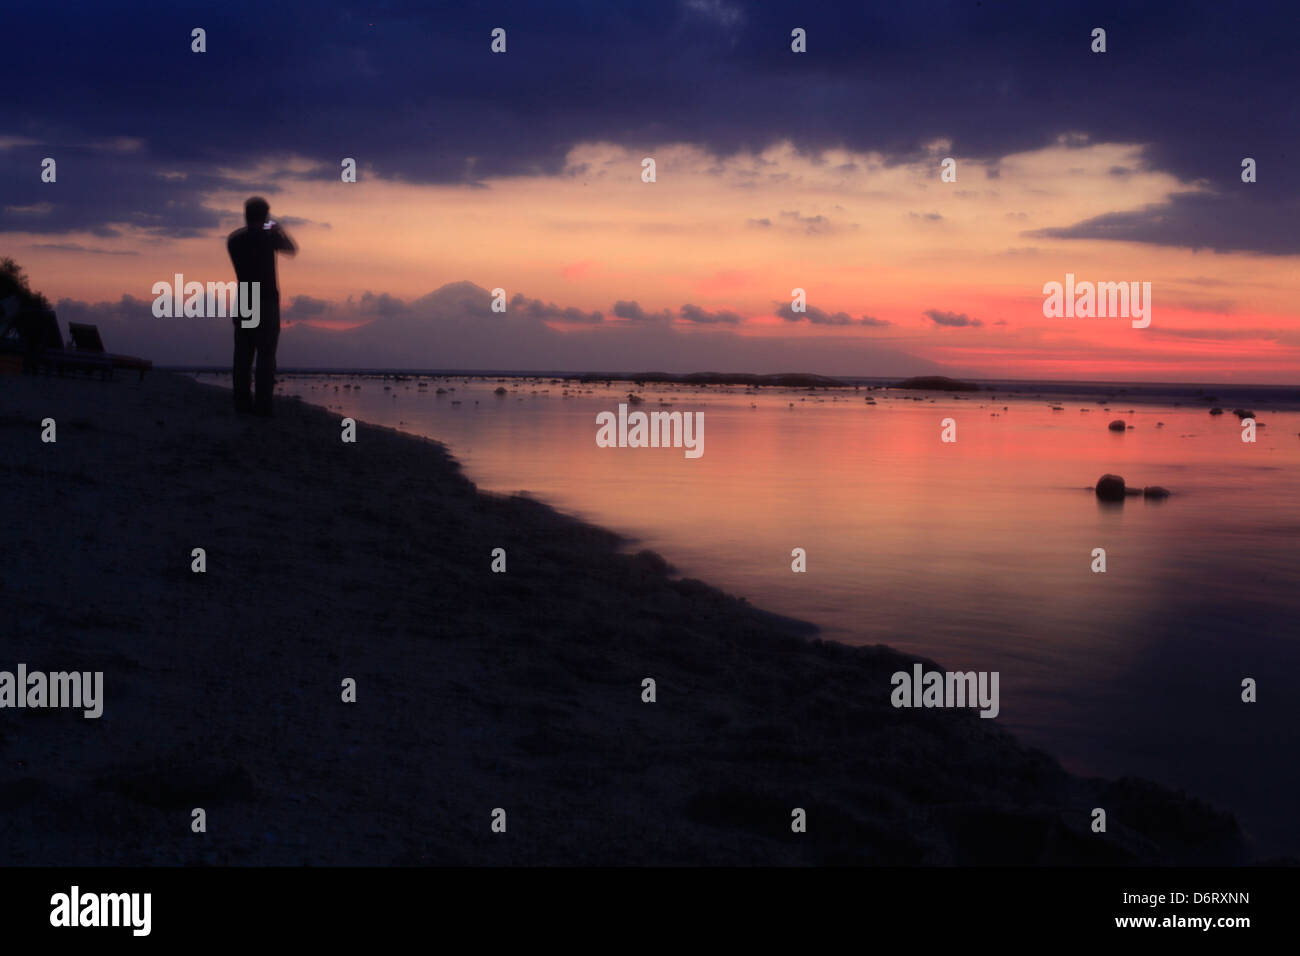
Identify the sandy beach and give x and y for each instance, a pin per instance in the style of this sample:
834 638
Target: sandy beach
475 690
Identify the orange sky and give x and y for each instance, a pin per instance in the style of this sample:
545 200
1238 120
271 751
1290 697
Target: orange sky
741 233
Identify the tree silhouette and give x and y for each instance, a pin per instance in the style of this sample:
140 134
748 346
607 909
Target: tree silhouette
13 281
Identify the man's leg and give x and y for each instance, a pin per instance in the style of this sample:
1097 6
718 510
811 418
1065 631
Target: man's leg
267 340
242 373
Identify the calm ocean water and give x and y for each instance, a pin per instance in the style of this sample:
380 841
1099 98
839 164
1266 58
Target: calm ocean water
976 554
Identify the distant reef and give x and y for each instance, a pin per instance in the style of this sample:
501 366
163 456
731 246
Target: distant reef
780 380
937 383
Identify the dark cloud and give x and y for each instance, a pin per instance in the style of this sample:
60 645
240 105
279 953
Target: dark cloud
821 317
813 225
78 247
414 94
305 306
381 304
792 220
1222 222
955 320
693 313
632 310
549 311
100 190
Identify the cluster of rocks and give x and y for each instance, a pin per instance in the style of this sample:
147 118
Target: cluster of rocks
1112 488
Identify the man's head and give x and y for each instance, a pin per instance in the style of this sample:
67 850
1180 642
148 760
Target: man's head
256 211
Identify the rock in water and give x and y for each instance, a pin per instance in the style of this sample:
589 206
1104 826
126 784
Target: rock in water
1110 488
1155 491
1117 425
1216 411
1243 413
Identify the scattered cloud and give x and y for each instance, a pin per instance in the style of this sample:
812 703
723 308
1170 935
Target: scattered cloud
78 247
625 309
818 316
812 225
305 306
952 320
693 313
549 311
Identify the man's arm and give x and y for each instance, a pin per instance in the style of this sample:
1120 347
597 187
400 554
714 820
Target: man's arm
281 241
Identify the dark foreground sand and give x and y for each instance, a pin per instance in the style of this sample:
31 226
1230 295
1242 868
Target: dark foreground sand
475 690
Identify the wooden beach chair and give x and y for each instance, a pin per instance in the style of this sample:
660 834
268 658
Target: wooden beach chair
38 340
86 340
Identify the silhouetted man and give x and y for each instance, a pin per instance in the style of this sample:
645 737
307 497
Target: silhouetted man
252 250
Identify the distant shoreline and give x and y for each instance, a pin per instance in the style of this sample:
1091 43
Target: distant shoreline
1197 395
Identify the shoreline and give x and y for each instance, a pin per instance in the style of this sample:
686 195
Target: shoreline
475 690
1122 395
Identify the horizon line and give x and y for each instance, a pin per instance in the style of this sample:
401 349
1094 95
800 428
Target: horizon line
829 380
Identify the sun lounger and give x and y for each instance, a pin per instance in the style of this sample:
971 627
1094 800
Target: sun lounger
34 334
85 339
